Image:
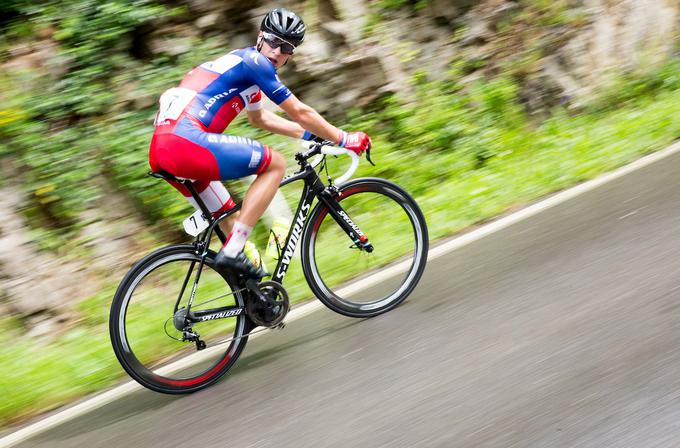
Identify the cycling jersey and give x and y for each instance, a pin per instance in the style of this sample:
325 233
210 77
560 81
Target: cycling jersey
188 140
215 92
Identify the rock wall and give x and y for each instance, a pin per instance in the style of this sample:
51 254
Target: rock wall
622 36
36 285
339 66
42 287
606 39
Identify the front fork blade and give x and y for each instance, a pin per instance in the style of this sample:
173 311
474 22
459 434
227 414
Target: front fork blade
345 222
367 246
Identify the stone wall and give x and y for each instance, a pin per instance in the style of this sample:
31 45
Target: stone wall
622 36
337 67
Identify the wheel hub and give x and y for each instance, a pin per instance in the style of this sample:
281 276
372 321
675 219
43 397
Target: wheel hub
179 319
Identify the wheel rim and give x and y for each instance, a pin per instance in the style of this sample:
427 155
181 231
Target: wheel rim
146 314
398 240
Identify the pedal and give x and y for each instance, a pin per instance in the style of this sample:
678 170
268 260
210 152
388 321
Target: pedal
200 345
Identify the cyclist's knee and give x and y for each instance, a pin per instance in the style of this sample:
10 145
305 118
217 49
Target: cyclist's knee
278 162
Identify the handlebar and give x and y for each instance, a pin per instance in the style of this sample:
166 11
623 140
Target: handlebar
320 150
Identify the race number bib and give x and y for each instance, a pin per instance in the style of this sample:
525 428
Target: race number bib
173 102
195 223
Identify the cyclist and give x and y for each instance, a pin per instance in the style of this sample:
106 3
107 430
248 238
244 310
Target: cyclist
188 140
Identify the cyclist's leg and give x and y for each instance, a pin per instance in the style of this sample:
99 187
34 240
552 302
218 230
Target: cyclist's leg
213 194
196 154
216 198
239 157
262 190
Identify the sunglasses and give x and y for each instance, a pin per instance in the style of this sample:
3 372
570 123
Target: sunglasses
276 42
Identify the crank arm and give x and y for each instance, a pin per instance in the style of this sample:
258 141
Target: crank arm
252 286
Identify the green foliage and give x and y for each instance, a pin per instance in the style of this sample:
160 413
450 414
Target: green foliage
467 152
74 132
469 122
387 5
630 87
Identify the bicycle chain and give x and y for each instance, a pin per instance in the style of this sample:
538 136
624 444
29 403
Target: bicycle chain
220 297
233 293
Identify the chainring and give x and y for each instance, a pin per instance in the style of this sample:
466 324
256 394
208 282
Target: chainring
274 311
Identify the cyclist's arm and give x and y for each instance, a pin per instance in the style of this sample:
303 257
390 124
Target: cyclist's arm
310 119
269 121
263 74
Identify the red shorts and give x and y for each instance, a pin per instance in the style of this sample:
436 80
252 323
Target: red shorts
206 158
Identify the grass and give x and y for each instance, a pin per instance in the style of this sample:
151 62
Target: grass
560 153
453 189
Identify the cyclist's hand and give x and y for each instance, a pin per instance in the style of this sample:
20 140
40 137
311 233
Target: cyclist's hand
356 141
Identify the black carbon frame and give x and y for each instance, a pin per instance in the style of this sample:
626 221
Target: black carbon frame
313 188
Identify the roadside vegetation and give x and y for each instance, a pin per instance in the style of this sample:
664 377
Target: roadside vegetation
466 152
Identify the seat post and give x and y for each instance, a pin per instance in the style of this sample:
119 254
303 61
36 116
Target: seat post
190 186
201 205
204 209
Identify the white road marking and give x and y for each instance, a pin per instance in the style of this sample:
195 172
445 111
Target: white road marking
352 352
109 396
628 215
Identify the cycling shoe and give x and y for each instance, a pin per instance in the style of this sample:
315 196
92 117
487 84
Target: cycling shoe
241 263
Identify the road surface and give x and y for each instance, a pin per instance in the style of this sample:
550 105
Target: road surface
562 330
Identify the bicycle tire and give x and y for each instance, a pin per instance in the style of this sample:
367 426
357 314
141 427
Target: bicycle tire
379 208
132 299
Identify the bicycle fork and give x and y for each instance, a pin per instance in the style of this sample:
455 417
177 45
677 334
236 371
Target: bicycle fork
343 219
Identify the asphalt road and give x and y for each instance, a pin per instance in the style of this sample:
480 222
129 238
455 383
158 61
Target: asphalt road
562 330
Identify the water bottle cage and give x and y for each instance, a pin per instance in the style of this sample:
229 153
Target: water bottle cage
279 246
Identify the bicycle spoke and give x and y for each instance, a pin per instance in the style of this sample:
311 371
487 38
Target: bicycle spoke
394 228
146 338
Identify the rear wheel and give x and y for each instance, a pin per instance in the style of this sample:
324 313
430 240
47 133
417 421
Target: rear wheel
395 227
149 302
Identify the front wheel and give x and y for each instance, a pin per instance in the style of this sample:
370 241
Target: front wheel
397 231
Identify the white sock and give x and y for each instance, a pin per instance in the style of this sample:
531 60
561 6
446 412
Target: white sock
237 239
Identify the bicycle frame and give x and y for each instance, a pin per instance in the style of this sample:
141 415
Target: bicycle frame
313 188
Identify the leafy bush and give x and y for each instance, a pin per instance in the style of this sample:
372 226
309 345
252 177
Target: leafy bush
66 131
467 152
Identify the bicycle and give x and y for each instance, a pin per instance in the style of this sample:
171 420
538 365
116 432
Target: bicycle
193 349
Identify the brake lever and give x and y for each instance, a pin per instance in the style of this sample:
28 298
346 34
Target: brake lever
368 156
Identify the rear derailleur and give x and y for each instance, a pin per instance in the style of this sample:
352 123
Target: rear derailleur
180 321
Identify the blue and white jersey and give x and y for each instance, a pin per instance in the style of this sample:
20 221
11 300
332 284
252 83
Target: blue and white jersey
214 93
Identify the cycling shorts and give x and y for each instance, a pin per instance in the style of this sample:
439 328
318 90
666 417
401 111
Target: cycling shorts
189 152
